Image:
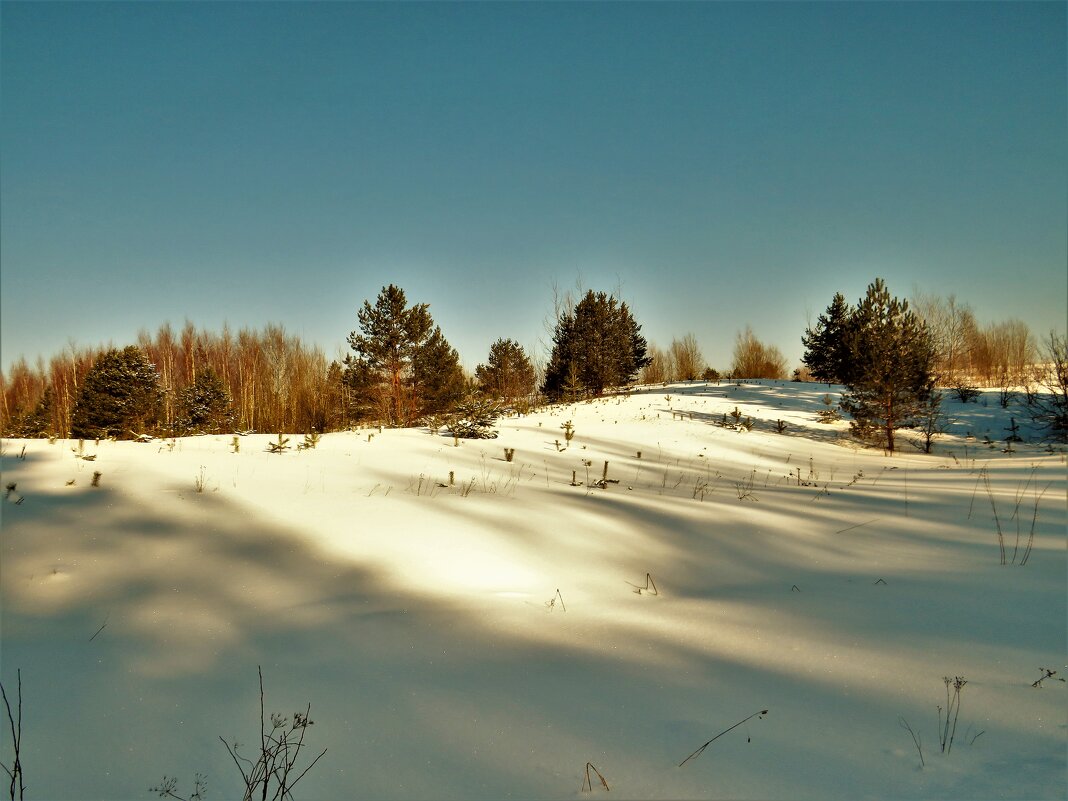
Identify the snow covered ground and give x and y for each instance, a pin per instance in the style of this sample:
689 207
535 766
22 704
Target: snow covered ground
483 638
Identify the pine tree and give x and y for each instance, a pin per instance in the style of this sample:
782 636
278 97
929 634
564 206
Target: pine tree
508 373
474 418
596 345
120 396
890 378
403 368
827 353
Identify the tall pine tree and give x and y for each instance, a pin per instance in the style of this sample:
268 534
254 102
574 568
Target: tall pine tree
889 371
403 366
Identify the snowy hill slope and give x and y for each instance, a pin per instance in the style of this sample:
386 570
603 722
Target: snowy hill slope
482 637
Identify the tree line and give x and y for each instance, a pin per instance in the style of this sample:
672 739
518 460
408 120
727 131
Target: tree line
267 380
402 370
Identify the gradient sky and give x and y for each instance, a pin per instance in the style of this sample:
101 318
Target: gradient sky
724 164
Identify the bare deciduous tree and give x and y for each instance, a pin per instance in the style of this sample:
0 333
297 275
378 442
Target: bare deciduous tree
659 370
754 359
1050 408
952 328
686 357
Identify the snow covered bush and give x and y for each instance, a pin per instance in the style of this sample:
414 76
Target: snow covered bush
204 407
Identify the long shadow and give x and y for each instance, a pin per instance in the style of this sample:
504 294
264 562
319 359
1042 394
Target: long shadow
144 622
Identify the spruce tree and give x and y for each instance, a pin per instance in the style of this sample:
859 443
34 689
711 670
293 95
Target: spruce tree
437 378
596 345
563 359
120 396
827 353
205 406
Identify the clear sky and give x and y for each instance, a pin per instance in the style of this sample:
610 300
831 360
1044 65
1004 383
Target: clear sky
722 163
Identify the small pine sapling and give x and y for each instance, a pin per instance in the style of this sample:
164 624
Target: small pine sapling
1014 431
569 432
11 491
474 419
829 413
281 445
310 441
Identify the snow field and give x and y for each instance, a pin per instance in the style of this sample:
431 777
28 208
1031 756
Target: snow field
484 639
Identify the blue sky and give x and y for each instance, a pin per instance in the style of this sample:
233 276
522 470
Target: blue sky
724 164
